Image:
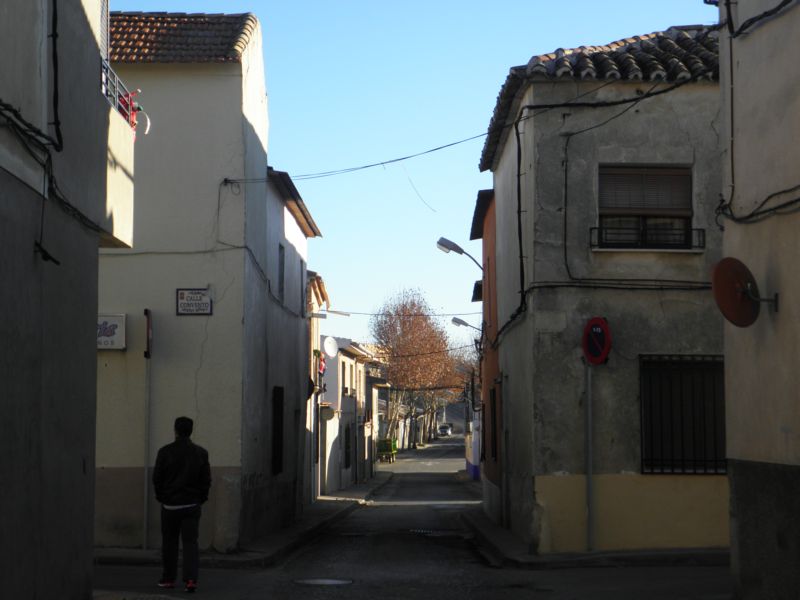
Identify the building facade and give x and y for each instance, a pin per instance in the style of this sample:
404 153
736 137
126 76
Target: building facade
347 419
760 126
66 187
606 177
493 476
212 294
316 299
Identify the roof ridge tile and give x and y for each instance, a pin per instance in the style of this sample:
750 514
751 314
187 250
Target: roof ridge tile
180 37
679 53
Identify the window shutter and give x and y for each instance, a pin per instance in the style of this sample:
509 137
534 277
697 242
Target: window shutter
645 191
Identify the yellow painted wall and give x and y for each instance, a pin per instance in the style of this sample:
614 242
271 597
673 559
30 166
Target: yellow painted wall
634 512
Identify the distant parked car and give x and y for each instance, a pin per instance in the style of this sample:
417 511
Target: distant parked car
445 429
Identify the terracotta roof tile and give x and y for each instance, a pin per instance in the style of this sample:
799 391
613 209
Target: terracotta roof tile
678 54
162 37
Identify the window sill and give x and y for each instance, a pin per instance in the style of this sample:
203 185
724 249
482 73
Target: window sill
652 250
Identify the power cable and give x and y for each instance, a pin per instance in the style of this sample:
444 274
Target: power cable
386 314
445 351
610 283
725 208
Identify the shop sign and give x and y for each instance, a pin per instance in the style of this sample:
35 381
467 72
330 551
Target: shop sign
111 332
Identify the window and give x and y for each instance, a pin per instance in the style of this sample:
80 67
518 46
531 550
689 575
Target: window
683 414
303 287
646 208
281 272
347 447
277 430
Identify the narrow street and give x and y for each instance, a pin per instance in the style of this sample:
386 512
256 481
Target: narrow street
407 542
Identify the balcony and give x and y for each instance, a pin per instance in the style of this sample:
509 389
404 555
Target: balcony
118 95
644 238
117 221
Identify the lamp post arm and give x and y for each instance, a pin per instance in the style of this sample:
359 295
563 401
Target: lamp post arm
480 266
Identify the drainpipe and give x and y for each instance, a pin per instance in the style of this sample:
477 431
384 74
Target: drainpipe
147 393
589 464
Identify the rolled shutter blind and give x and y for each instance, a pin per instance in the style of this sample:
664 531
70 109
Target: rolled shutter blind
629 190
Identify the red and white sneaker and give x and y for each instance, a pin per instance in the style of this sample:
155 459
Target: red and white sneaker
166 583
191 586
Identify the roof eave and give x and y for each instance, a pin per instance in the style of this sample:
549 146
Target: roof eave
481 207
294 202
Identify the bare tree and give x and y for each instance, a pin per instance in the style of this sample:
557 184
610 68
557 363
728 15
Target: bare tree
415 349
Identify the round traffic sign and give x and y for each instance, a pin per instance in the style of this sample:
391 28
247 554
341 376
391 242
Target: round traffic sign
596 341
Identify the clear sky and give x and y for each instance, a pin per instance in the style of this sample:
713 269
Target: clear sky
356 82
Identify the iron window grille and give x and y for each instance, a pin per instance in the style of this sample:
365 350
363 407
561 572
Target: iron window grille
643 235
682 414
646 208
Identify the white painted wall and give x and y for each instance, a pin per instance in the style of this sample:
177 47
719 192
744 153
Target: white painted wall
188 233
761 359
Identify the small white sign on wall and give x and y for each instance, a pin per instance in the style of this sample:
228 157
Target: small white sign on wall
111 332
193 301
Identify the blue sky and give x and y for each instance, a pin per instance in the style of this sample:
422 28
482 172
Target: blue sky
356 82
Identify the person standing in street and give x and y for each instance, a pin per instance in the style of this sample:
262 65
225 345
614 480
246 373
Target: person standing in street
181 478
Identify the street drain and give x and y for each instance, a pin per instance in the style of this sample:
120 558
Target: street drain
437 532
323 581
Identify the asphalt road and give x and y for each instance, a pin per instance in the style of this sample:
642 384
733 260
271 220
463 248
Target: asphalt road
408 542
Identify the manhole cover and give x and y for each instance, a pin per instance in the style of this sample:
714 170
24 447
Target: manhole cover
323 581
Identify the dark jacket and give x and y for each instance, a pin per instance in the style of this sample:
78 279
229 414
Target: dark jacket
182 474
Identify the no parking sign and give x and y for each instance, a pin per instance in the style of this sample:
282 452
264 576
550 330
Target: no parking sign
596 341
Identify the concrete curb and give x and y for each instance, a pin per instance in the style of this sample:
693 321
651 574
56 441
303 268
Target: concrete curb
504 549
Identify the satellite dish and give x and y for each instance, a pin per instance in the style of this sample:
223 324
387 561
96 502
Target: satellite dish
330 346
736 292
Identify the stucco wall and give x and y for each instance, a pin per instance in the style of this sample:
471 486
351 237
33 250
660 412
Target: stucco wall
761 357
634 511
196 368
761 375
24 77
541 358
47 360
276 356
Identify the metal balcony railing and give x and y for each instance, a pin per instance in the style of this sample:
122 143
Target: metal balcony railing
647 238
117 94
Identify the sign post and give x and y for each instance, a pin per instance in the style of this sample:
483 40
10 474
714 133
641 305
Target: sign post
596 348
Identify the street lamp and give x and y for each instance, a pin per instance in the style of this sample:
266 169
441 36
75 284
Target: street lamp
446 246
463 323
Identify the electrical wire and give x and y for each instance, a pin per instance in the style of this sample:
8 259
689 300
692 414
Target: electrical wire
725 209
386 314
445 351
605 283
59 141
386 162
749 23
490 131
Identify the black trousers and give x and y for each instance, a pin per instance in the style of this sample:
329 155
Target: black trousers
183 523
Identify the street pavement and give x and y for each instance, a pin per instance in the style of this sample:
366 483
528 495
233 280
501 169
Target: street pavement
416 530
